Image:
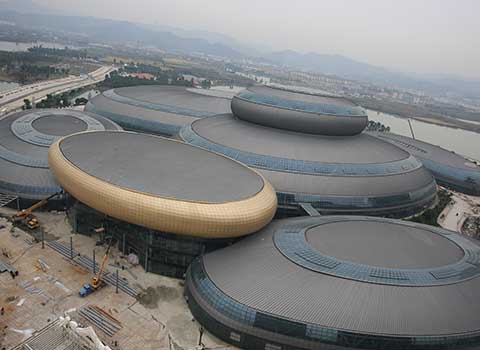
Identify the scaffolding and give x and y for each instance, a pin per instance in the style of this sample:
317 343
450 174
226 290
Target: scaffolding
6 199
59 336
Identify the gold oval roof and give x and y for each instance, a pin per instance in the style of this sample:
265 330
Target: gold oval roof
193 218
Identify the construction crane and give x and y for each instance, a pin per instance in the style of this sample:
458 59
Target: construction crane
26 216
97 281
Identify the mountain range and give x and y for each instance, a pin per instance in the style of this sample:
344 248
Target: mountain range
27 13
114 32
345 67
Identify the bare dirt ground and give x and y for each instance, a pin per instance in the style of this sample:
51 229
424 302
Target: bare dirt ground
455 213
159 319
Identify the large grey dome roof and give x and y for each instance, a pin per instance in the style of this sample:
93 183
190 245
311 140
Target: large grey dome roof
354 174
450 169
301 112
337 279
155 108
24 141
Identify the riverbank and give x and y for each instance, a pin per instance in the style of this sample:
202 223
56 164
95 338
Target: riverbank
423 115
460 141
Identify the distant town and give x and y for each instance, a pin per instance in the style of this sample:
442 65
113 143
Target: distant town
29 53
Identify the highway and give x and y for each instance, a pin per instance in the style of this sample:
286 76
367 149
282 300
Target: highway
13 99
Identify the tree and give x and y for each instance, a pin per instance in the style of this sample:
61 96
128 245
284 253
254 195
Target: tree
27 104
65 102
206 84
80 101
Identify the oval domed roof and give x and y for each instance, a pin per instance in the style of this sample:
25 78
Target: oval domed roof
161 109
163 184
349 174
341 281
300 112
24 141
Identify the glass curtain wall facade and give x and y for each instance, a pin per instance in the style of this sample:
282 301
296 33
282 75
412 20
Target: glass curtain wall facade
248 328
158 252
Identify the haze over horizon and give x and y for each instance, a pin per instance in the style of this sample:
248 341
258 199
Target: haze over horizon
427 37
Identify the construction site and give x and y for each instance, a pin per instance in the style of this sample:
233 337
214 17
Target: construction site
114 239
462 214
41 304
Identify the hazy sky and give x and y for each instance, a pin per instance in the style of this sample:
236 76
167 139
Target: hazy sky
427 36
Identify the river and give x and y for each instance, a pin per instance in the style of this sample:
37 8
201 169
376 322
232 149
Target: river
21 47
460 141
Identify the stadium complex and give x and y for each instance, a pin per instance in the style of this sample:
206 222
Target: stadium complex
312 150
336 269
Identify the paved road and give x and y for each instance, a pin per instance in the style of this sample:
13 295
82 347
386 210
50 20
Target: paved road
14 99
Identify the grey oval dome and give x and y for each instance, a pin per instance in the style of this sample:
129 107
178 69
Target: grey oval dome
336 174
300 112
156 108
24 141
341 282
449 169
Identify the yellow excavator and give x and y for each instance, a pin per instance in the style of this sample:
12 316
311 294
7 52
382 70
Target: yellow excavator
97 282
26 216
